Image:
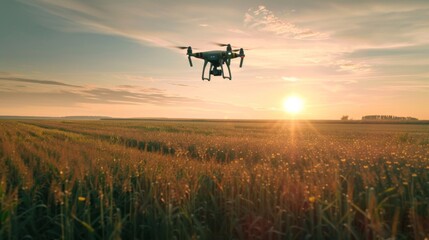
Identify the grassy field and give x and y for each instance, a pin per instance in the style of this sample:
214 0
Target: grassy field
114 179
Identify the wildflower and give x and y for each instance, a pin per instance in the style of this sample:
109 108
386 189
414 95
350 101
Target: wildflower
312 199
81 199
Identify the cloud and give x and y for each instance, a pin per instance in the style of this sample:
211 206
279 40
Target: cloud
394 26
121 96
146 22
171 26
37 81
106 100
350 66
265 20
92 96
75 94
290 79
129 21
180 84
401 87
404 55
357 39
424 88
238 31
133 77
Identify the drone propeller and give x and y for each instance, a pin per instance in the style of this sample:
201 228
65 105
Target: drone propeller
183 47
238 49
221 44
228 46
189 52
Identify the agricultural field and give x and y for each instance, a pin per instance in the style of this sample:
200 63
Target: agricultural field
124 179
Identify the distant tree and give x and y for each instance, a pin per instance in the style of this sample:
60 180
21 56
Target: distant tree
345 118
387 117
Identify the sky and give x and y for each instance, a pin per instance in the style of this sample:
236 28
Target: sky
117 58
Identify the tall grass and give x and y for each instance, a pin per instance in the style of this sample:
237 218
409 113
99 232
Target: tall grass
187 180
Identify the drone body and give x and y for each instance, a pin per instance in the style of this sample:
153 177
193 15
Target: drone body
216 59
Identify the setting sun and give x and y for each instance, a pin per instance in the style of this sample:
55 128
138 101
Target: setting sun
293 104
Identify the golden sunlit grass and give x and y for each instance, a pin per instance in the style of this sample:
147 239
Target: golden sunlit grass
293 104
189 180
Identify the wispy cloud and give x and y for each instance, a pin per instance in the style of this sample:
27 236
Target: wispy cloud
71 94
102 100
133 77
264 19
350 66
112 19
146 22
179 84
399 85
37 81
121 96
92 96
5 73
290 79
385 26
170 26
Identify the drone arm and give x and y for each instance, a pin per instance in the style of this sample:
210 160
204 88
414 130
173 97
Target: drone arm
190 60
241 54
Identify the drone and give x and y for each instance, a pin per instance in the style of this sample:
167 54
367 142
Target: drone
216 59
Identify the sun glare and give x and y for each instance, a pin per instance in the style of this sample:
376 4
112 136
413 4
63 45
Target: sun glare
293 104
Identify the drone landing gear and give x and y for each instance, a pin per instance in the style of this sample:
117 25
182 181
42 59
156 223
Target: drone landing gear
215 71
229 72
204 70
